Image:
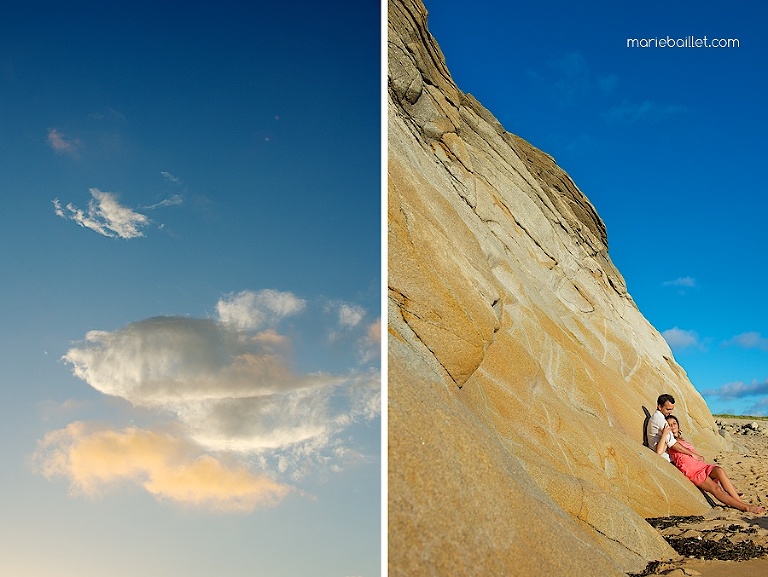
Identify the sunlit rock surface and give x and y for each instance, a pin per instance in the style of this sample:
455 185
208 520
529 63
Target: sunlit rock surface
519 365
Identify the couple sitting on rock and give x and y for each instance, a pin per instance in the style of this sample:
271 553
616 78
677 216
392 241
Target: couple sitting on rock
664 435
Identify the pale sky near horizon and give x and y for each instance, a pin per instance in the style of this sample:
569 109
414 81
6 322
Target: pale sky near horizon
668 143
191 280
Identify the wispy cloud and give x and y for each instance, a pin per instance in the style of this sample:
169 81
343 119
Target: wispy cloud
750 340
353 326
170 178
110 114
174 200
63 144
253 310
645 111
229 385
350 315
370 347
679 339
739 390
685 282
105 215
569 80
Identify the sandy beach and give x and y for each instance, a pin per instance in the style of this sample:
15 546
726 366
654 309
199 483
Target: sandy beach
726 542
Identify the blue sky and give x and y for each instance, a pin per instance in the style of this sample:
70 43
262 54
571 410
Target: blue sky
667 143
191 281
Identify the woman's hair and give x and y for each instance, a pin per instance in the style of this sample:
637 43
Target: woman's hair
679 430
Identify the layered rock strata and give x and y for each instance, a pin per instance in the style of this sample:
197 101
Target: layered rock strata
519 366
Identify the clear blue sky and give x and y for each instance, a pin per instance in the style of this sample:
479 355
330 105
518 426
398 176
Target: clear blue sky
668 143
191 289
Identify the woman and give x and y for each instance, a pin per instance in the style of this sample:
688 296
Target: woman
709 478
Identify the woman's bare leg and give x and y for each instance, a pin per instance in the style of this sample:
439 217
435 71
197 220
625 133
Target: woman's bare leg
711 486
718 474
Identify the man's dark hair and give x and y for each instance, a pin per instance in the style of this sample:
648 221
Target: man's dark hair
662 400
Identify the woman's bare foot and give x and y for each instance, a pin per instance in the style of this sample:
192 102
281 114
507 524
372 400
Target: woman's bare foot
755 510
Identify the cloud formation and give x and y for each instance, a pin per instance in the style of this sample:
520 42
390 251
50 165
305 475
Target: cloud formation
170 177
679 339
350 315
174 200
249 310
165 466
646 111
230 387
739 390
108 217
750 340
105 215
685 282
568 80
63 144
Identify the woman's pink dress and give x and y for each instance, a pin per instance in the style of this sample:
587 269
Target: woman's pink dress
696 471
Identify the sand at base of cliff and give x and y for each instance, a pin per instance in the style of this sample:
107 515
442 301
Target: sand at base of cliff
742 538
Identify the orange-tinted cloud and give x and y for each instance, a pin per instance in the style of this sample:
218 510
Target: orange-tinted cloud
374 332
63 144
165 466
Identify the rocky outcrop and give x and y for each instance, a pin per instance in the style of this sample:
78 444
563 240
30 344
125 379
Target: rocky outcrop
519 365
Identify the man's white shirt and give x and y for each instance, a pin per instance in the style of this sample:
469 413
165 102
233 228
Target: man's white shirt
656 425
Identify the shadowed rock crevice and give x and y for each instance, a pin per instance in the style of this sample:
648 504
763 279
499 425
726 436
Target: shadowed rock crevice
518 362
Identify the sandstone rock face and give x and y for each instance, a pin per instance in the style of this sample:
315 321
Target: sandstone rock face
519 365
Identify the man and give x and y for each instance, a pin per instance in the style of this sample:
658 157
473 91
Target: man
665 404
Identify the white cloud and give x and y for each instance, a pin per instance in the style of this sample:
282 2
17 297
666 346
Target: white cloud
174 200
238 417
253 310
750 340
62 144
679 339
231 388
105 215
170 177
350 315
685 282
170 360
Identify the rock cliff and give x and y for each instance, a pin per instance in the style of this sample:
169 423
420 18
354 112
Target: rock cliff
519 365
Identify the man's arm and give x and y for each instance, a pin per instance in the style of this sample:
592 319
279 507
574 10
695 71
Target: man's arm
678 449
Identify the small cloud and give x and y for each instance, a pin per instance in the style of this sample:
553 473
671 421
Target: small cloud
350 315
679 339
175 200
646 111
104 215
110 114
167 467
249 310
62 144
374 332
750 340
170 178
370 347
685 282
